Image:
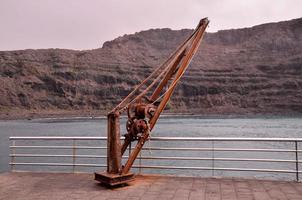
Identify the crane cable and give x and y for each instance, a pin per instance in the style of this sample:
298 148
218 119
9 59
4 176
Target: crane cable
120 106
175 81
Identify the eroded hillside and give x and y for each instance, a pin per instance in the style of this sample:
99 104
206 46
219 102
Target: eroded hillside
254 70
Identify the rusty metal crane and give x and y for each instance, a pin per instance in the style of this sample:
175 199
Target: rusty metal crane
144 106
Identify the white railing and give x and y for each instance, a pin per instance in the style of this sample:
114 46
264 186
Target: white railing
291 148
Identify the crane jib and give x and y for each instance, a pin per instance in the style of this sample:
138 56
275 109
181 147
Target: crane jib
144 106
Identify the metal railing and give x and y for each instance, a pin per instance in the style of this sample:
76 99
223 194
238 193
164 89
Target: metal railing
292 148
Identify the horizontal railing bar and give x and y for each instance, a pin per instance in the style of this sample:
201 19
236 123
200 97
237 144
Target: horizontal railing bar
57 147
225 139
164 138
159 148
51 155
60 164
217 168
218 149
159 158
162 167
56 138
218 159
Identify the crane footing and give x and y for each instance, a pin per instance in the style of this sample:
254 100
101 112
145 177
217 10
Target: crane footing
113 179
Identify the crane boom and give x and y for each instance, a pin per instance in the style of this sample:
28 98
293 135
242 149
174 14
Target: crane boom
144 106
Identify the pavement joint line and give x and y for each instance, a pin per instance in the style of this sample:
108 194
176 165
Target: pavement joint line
82 186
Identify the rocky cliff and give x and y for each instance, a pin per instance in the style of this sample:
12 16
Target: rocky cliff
255 70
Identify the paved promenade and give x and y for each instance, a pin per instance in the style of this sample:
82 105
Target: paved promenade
40 186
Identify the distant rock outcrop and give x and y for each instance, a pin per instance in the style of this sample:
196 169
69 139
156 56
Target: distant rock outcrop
255 70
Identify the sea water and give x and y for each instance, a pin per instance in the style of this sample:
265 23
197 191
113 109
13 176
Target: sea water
178 126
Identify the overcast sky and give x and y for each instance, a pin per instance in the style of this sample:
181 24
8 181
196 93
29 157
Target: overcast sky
86 24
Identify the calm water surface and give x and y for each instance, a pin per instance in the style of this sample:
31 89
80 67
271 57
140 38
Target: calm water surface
166 126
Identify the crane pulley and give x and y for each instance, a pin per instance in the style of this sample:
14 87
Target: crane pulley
144 106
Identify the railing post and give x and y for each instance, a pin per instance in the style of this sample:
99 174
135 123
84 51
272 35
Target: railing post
213 159
13 156
297 161
73 155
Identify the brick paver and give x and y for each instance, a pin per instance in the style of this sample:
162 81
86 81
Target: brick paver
62 186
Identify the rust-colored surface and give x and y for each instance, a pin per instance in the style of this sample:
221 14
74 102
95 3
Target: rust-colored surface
110 179
114 155
144 110
53 186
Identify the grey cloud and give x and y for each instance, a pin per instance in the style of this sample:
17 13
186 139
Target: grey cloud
86 24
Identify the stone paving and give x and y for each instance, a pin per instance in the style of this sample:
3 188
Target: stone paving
57 186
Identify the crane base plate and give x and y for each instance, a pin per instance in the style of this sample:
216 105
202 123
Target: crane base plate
113 179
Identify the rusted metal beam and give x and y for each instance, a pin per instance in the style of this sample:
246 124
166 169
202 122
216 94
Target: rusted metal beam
164 82
135 152
114 154
184 65
146 111
126 143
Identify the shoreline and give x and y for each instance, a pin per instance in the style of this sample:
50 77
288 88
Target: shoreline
101 114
